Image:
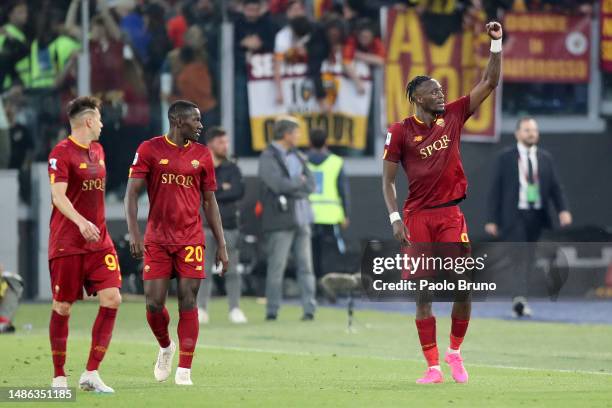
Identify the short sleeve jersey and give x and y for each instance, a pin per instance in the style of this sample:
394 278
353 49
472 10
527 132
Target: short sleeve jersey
176 179
84 171
430 156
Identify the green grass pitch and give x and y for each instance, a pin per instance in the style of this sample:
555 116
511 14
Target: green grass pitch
289 363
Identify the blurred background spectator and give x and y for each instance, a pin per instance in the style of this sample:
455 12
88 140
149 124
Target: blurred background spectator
191 76
13 44
118 79
254 32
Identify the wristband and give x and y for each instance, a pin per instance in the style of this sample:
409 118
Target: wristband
394 216
496 45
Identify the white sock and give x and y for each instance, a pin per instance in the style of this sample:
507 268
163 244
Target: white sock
451 351
164 349
437 367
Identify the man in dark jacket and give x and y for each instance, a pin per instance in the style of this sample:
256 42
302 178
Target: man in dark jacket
286 183
229 192
524 183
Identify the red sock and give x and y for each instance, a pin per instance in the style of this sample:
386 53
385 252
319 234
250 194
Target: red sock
159 321
427 336
101 334
58 334
188 329
458 329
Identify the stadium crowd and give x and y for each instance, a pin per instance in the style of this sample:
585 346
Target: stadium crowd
147 52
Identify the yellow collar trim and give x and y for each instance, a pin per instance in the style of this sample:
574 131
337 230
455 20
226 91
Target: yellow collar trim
73 140
418 120
170 142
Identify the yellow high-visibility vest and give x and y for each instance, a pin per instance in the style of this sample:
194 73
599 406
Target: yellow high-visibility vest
34 75
326 202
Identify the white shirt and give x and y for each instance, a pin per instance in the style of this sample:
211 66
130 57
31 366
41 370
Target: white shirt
286 40
523 171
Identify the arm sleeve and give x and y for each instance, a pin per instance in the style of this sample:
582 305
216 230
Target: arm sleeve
282 42
460 107
209 181
310 186
142 162
343 190
272 176
59 167
394 144
557 192
379 48
318 50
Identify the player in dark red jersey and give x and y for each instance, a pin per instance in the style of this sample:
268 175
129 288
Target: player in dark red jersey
81 253
179 174
427 146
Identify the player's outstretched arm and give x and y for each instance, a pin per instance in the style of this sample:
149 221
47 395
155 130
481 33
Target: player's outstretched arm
58 195
213 218
490 78
390 194
134 187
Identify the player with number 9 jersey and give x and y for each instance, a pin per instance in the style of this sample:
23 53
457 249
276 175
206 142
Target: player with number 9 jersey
81 252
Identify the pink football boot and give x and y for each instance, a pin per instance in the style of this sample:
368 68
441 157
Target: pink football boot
432 376
455 362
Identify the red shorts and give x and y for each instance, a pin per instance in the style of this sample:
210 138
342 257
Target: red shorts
446 224
168 261
429 229
93 271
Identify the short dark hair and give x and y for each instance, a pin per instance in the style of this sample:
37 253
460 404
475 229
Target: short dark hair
284 126
318 137
414 84
364 24
214 132
79 105
337 23
522 119
180 108
246 2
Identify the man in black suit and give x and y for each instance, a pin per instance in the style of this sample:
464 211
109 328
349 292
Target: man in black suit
524 183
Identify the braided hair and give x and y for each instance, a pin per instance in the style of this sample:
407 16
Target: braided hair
412 85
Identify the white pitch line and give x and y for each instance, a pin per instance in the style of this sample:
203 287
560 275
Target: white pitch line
301 353
307 354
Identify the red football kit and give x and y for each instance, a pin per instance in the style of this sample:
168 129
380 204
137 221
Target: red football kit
432 162
75 263
177 178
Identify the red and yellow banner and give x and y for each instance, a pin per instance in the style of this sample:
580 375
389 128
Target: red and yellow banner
458 65
606 36
545 47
